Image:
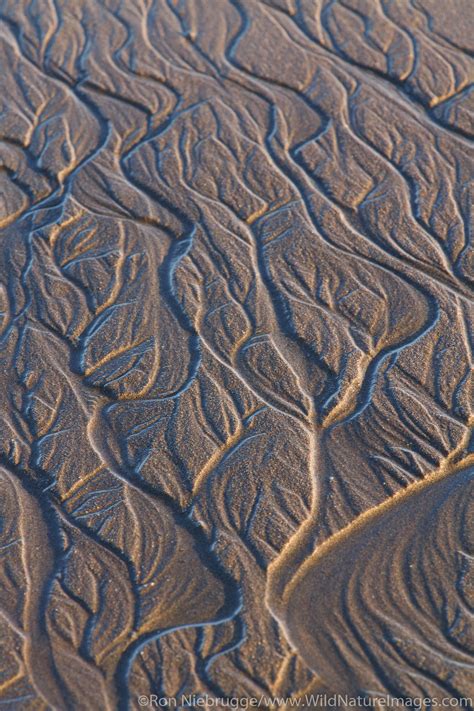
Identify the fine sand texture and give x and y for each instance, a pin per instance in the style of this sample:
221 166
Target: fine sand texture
237 348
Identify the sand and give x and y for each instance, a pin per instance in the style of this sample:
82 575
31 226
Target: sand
236 341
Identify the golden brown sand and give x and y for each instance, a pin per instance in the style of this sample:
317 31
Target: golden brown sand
236 338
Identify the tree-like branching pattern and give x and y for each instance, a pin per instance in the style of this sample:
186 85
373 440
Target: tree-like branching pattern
236 344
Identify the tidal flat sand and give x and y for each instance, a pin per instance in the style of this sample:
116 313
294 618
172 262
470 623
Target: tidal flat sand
236 343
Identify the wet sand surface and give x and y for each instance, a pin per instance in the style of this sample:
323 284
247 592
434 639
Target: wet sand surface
236 328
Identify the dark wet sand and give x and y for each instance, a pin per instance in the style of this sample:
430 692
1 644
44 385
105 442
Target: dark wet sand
236 342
